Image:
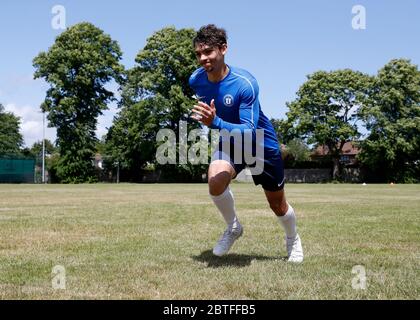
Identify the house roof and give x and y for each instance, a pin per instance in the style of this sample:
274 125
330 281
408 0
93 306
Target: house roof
349 148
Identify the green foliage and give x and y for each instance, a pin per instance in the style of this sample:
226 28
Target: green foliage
131 138
283 129
325 110
156 96
51 164
11 139
163 67
35 152
36 149
75 166
77 67
392 116
297 150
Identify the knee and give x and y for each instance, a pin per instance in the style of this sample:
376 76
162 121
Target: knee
216 186
278 208
275 206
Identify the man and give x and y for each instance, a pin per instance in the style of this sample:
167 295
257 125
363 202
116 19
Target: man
229 100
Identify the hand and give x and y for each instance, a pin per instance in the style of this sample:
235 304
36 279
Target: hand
204 113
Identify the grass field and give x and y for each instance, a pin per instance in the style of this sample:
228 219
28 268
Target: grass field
154 241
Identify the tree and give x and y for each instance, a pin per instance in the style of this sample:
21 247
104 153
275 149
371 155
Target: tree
131 140
298 150
36 149
392 115
325 111
11 140
51 155
156 96
283 130
77 67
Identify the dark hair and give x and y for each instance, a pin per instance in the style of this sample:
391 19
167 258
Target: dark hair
210 35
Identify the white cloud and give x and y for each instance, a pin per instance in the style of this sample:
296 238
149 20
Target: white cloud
31 123
18 95
26 112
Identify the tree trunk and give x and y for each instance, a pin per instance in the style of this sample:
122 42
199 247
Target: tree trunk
335 152
336 169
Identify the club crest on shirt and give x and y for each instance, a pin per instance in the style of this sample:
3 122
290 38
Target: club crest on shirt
228 100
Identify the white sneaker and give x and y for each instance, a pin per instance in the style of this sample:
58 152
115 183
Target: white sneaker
226 241
294 249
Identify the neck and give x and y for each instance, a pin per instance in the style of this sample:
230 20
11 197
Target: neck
218 75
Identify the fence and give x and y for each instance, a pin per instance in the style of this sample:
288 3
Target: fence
15 170
352 175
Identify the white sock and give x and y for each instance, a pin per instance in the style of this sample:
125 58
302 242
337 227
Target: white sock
289 222
226 205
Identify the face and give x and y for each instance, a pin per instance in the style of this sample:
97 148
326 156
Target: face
210 58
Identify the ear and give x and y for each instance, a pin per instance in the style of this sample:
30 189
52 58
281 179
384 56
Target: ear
223 49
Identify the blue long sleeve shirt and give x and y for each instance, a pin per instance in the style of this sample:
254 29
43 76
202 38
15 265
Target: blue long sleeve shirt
237 104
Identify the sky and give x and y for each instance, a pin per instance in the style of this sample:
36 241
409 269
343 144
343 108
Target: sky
279 42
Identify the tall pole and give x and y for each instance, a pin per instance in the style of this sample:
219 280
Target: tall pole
43 147
118 172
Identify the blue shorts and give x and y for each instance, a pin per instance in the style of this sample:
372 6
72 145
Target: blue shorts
271 174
